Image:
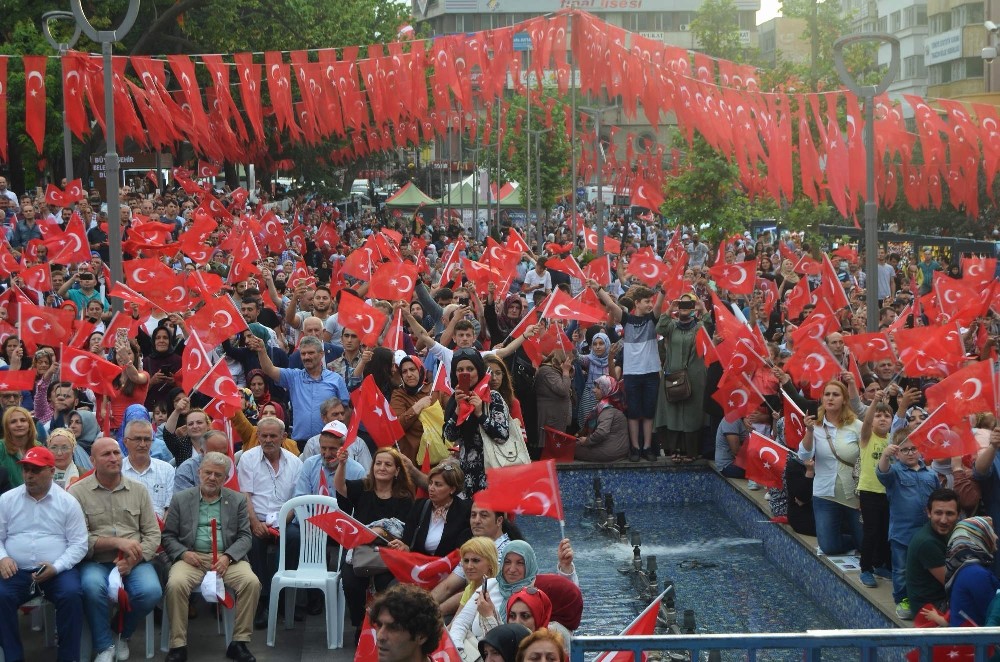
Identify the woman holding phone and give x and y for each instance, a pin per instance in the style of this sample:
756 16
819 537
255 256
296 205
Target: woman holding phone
467 416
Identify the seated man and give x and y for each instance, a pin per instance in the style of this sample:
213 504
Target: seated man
186 475
42 537
122 533
267 475
187 539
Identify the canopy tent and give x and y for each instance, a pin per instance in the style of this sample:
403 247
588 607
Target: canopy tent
409 196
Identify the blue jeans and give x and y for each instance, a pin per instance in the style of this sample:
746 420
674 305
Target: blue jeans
63 591
144 592
832 519
898 571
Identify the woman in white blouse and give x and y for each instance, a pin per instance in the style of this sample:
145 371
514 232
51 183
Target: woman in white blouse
832 440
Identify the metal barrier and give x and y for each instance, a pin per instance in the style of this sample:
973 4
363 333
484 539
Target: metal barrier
868 643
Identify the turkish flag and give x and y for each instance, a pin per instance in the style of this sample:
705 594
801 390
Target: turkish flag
765 461
944 434
356 315
643 625
559 446
86 370
704 346
526 489
343 528
482 389
34 98
217 320
441 383
367 650
420 569
38 277
971 390
219 384
600 270
70 246
376 414
38 325
560 305
17 380
795 425
196 362
736 397
648 269
798 298
870 346
393 281
736 278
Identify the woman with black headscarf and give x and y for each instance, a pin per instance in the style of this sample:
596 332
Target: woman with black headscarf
412 397
163 363
467 417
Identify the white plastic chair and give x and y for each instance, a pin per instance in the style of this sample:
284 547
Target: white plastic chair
228 622
312 571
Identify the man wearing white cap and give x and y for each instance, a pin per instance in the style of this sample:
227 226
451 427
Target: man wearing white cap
43 535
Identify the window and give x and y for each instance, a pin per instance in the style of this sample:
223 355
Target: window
913 67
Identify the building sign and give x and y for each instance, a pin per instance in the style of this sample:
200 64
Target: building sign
943 47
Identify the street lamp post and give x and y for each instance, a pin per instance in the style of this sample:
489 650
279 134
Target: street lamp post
599 207
868 93
62 48
535 133
107 38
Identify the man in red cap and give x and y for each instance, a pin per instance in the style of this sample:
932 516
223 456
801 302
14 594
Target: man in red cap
43 535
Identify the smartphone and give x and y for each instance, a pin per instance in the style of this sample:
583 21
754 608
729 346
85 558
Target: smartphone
465 381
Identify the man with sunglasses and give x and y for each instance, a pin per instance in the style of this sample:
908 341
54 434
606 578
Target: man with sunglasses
43 535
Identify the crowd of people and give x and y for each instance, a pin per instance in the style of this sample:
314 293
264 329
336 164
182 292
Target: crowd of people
477 354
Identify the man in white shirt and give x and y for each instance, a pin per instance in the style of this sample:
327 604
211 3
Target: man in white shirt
43 535
267 475
538 278
155 475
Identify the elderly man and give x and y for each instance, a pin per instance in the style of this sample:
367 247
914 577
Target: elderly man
312 384
186 475
155 475
187 539
42 537
122 534
267 475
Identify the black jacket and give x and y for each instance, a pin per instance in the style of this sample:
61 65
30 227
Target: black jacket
456 527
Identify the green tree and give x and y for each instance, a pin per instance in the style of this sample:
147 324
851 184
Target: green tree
717 31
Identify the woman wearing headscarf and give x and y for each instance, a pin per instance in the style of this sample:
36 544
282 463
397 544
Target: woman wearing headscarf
501 643
162 363
595 364
412 397
604 436
83 425
530 607
491 417
683 419
968 574
553 392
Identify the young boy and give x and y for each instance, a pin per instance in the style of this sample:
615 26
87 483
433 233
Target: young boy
908 484
640 363
875 551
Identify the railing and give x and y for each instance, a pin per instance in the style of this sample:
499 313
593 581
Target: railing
867 643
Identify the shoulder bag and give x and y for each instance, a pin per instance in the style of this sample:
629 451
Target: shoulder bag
513 451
